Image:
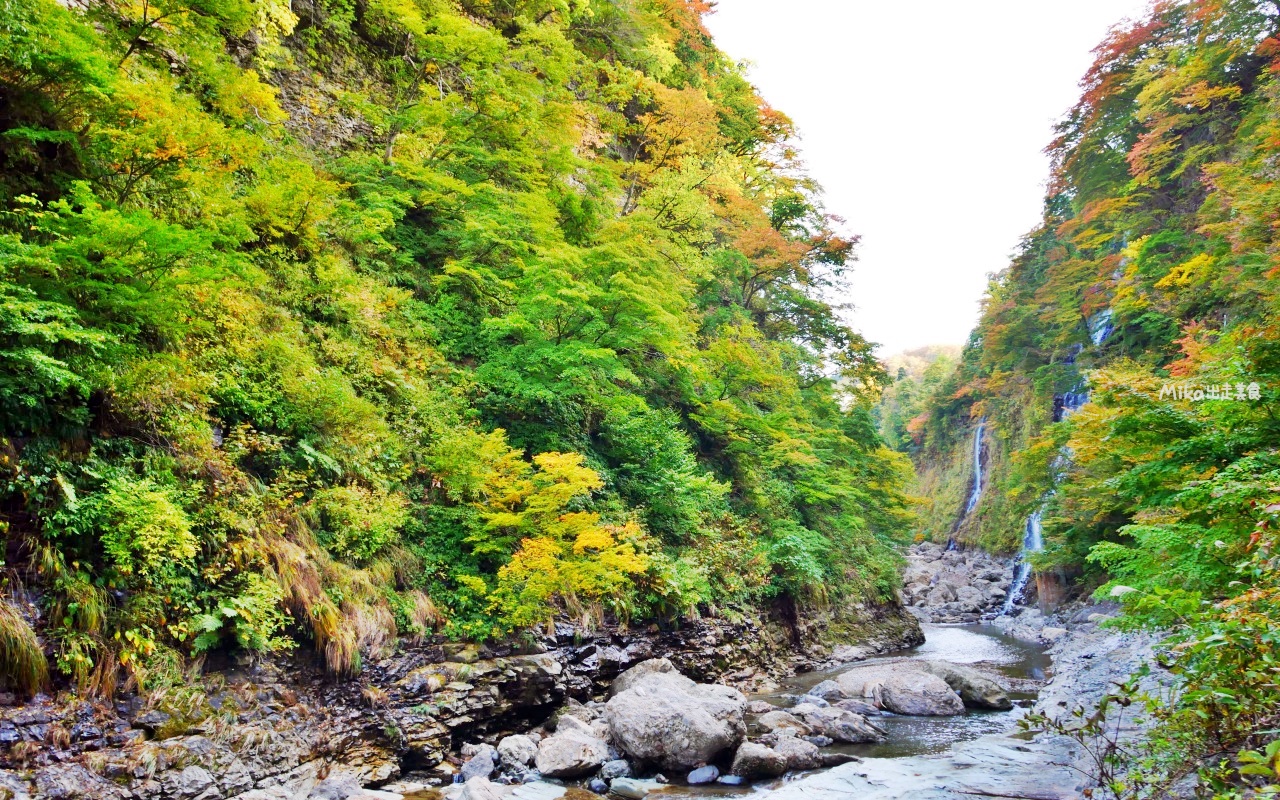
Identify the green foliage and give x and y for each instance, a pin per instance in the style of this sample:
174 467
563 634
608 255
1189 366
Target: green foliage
1159 222
145 533
415 316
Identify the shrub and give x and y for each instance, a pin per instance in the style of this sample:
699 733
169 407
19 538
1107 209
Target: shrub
145 532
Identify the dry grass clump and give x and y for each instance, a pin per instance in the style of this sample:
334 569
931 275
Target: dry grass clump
22 661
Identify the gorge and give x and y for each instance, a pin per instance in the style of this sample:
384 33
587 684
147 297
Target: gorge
446 399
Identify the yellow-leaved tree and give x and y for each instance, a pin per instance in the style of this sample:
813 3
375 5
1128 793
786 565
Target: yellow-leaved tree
561 558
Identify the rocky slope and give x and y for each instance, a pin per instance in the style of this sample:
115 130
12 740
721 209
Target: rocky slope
277 729
942 585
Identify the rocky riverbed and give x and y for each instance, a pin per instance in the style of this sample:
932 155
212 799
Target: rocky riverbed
705 708
281 729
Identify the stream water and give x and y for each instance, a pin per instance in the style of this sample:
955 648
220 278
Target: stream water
979 644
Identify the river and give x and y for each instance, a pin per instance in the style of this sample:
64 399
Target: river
982 645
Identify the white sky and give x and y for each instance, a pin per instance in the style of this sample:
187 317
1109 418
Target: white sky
925 124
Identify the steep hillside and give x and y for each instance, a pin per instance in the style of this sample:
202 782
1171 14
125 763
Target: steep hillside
1127 364
329 322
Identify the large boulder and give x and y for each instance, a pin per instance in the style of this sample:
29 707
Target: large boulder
838 723
641 671
920 694
664 718
574 751
517 750
754 760
975 689
901 687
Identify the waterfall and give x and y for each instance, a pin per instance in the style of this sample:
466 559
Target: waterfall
1064 405
975 494
1032 542
1100 327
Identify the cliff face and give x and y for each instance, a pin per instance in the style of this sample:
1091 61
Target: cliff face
277 727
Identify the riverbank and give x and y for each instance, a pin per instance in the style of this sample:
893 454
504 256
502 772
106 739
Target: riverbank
277 729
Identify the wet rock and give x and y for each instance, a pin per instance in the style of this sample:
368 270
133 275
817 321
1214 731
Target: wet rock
902 688
517 750
574 751
838 724
820 740
665 718
598 785
701 775
836 759
754 760
731 780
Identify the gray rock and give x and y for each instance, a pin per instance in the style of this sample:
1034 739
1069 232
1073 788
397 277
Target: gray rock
572 708
574 751
17 788
701 775
598 785
629 788
754 760
618 768
640 671
517 750
859 707
901 687
975 689
836 759
838 724
778 719
665 718
760 707
828 690
336 787
481 765
480 788
798 753
919 694
731 780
